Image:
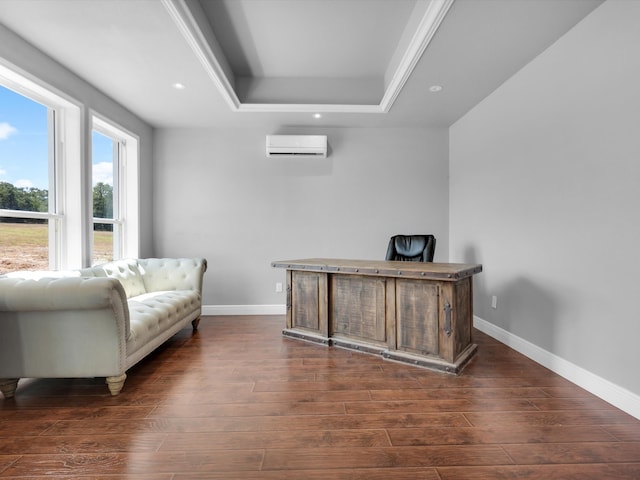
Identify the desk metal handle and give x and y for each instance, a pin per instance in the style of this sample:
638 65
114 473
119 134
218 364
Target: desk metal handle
288 297
447 319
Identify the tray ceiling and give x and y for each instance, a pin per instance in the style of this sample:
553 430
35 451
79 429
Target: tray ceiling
271 63
310 55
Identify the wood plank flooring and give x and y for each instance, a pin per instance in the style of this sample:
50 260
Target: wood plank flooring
237 401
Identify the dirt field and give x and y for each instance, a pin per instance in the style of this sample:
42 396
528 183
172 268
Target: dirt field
25 247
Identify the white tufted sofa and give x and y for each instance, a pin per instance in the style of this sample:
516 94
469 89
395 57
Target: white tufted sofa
94 322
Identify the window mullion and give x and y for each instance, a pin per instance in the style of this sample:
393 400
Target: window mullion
53 197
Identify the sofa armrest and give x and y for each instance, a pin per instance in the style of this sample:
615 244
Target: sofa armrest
62 327
165 274
67 293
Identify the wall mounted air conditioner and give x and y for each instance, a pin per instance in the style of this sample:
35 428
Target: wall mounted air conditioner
296 146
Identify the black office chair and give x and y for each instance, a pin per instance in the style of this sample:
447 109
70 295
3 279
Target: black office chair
411 248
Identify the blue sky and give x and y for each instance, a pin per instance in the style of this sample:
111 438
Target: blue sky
23 141
24 151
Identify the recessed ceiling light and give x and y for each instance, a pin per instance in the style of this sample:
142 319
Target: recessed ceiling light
179 86
435 88
317 115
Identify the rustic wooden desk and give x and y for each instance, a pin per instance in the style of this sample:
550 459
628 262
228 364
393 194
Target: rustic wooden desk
412 312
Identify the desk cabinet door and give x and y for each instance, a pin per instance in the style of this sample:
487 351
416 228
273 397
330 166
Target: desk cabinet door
358 307
417 316
308 301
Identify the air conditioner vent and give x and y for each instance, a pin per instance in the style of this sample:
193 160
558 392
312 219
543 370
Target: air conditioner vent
310 146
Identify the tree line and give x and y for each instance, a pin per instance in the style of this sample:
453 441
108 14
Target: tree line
37 200
26 198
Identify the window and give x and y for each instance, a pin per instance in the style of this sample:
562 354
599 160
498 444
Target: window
107 224
47 216
114 192
28 209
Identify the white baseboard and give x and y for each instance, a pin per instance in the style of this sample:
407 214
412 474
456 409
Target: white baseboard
244 310
606 390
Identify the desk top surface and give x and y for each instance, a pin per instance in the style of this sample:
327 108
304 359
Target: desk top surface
383 268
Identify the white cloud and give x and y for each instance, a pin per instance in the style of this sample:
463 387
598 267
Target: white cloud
2 172
6 130
24 183
103 172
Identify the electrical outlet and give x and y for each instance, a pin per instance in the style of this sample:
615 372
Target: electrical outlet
278 287
494 302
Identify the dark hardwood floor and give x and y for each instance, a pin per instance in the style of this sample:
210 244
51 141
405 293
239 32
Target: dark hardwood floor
237 401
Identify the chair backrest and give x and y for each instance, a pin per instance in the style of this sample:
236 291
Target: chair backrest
412 248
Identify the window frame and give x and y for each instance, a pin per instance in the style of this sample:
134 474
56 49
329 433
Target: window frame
126 196
58 110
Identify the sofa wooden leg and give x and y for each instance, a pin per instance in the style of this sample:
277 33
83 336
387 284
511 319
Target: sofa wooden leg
115 384
8 386
195 323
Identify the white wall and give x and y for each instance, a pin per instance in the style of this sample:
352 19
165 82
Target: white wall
41 68
545 191
222 199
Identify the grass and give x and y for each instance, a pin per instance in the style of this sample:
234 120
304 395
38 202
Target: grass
25 246
102 242
23 234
